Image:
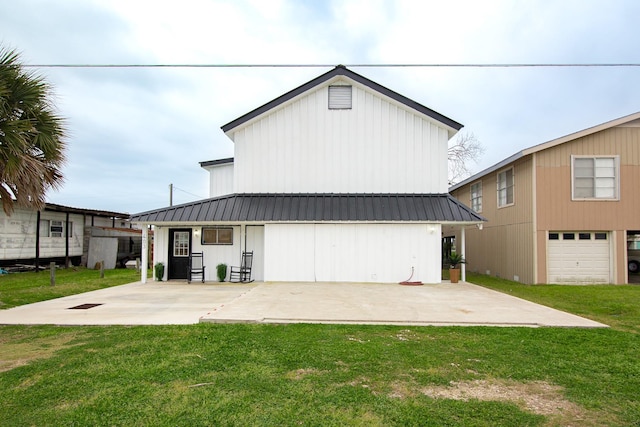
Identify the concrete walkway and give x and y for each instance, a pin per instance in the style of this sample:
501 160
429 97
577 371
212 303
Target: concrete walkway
356 303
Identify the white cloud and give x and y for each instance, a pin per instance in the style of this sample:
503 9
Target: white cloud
134 131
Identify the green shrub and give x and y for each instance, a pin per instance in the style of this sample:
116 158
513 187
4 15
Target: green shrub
221 271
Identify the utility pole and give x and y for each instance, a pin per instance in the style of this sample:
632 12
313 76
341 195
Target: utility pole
170 194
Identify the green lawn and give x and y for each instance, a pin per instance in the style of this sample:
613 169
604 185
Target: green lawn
614 305
314 375
26 288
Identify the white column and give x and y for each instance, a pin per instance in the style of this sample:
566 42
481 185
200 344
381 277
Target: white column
463 248
145 254
243 238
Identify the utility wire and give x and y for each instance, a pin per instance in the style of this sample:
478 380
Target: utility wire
450 65
185 191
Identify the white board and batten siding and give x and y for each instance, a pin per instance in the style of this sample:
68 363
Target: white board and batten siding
377 146
216 254
582 259
352 252
220 179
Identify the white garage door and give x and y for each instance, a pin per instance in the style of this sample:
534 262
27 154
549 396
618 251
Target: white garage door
578 257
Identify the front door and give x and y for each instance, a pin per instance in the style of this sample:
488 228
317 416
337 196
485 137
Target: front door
179 250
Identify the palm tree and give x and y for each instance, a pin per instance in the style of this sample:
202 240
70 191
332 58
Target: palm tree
32 136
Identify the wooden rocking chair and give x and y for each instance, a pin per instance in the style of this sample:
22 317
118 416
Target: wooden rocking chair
242 273
196 266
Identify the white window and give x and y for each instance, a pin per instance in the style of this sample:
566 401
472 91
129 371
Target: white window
595 177
476 197
181 244
339 97
505 188
56 229
45 228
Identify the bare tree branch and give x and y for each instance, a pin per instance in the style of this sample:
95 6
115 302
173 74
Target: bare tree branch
465 149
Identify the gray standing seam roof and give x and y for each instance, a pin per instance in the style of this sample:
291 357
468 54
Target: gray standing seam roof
316 208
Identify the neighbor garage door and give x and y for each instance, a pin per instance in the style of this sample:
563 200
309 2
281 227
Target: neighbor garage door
578 257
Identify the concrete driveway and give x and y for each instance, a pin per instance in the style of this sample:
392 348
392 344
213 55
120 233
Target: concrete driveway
356 303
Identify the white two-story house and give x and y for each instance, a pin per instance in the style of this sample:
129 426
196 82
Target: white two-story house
340 179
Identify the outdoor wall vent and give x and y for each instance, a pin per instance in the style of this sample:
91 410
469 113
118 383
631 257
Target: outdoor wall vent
340 97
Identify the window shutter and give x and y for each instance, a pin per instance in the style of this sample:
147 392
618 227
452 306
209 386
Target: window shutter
339 97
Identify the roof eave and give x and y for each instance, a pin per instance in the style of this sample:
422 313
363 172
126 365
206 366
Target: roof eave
452 126
488 170
217 162
582 133
546 145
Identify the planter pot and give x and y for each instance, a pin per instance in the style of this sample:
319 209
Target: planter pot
454 275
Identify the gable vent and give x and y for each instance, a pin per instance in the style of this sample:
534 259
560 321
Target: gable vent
339 97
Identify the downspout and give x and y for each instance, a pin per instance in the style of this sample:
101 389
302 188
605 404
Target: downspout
534 203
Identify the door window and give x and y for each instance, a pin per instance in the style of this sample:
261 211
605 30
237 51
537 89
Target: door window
181 244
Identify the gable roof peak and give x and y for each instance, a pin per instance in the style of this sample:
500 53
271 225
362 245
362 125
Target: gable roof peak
341 70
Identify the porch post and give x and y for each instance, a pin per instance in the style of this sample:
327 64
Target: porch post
463 245
145 254
243 238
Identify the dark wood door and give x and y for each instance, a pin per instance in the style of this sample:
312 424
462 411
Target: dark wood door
179 250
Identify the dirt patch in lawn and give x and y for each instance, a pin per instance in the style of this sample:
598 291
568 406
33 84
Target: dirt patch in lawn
538 397
15 354
299 374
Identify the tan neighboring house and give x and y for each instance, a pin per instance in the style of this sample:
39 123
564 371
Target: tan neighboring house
565 211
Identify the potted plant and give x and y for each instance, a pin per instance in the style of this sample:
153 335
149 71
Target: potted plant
159 270
221 271
454 270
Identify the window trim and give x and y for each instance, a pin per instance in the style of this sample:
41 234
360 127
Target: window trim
616 165
513 185
181 246
58 225
217 240
478 198
45 228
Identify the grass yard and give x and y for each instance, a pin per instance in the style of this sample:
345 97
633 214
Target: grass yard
614 305
26 288
310 375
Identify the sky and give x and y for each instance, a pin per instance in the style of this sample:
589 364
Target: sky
134 131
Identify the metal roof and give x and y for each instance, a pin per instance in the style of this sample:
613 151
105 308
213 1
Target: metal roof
316 208
83 211
341 70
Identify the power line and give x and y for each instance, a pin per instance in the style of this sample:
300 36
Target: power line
185 191
447 65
